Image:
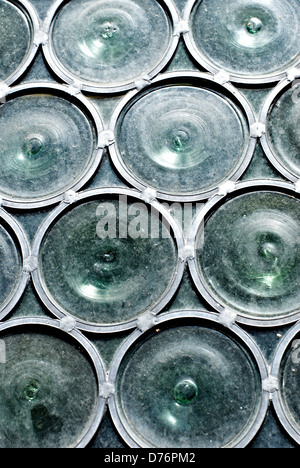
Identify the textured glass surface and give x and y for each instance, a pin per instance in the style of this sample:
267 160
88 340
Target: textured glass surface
185 391
112 279
46 145
247 37
10 265
290 383
15 38
283 129
181 139
48 390
249 255
188 386
109 42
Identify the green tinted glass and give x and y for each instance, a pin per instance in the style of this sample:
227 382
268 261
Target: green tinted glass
188 386
47 144
48 391
15 38
105 267
248 254
247 38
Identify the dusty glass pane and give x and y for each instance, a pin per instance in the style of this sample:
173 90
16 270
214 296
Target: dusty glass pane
15 38
48 390
246 37
46 145
188 386
108 42
283 129
105 267
249 257
180 139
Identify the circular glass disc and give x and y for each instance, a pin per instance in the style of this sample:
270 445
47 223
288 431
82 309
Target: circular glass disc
247 38
47 144
101 263
15 38
282 130
48 389
188 386
175 139
248 255
10 266
106 43
289 378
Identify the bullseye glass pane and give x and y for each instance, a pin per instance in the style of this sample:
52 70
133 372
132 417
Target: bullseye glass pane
48 391
101 263
247 38
248 254
283 134
181 140
188 386
47 143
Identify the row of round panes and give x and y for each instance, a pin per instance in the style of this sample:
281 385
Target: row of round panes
106 48
211 390
52 139
119 256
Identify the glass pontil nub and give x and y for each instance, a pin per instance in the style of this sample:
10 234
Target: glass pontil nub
187 384
107 45
182 140
247 255
282 140
48 144
16 38
103 263
252 40
49 387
